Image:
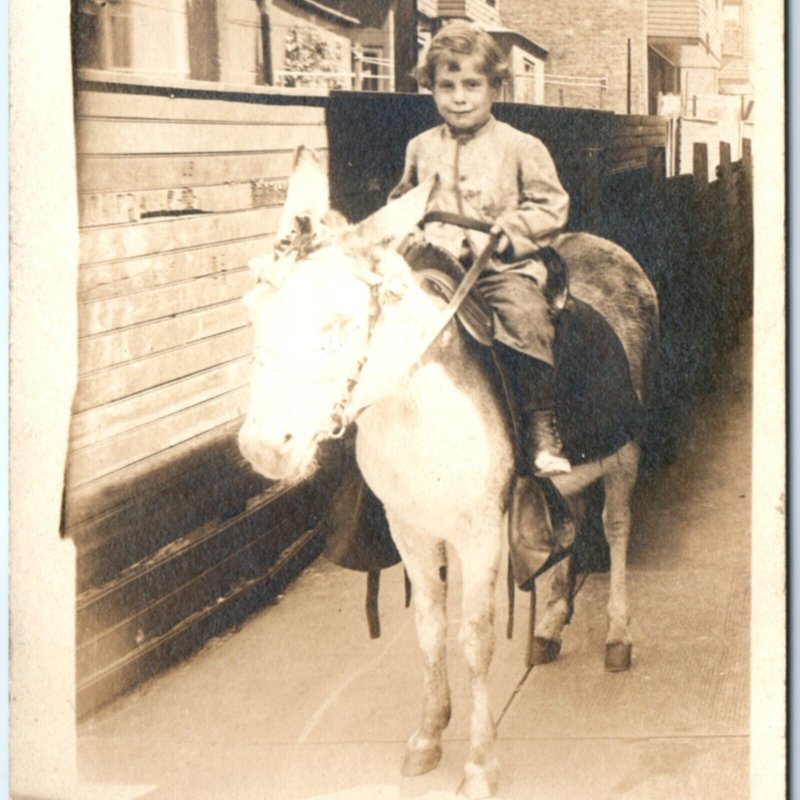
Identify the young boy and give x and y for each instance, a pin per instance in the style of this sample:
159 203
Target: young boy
494 173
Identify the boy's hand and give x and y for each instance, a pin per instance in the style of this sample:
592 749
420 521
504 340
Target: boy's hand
503 246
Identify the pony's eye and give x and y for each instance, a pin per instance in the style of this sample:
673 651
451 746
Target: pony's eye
336 325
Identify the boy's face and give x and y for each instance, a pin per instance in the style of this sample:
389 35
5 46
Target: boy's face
462 92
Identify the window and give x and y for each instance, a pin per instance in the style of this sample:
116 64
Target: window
527 92
371 73
103 38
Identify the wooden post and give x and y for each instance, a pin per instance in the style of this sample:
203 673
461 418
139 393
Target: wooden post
358 67
629 78
405 45
656 163
700 162
724 155
747 157
591 169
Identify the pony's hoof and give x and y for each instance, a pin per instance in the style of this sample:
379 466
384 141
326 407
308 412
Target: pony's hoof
480 782
618 656
543 651
417 762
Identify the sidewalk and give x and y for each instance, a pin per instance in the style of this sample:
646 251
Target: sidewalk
300 703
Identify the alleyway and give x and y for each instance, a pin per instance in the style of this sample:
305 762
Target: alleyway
300 703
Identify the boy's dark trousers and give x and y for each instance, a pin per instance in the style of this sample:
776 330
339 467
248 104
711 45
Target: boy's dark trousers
524 333
529 386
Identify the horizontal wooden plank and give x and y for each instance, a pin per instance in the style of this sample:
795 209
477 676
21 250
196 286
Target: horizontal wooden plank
624 166
99 688
622 142
624 154
106 385
277 510
180 601
640 119
110 135
161 520
162 235
657 126
95 509
128 344
103 422
129 105
111 313
130 173
110 455
115 207
119 278
113 510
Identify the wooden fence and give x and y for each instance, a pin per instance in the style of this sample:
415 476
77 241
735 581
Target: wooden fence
368 133
176 537
694 237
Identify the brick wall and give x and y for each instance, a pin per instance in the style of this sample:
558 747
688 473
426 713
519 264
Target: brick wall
585 37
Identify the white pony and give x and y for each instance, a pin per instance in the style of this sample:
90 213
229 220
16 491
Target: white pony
344 332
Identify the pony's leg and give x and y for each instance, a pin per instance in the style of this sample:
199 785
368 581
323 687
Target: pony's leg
424 559
558 584
479 567
619 482
546 644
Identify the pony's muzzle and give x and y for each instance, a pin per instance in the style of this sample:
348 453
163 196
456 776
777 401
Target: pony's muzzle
273 460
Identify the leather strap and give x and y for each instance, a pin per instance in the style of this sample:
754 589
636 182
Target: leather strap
456 219
463 289
371 603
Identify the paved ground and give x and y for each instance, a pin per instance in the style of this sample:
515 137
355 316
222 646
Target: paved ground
300 703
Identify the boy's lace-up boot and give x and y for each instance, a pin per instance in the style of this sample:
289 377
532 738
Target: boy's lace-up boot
544 445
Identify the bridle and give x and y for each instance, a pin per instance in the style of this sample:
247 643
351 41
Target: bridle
345 412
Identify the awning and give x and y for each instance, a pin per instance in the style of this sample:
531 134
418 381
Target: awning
328 11
515 37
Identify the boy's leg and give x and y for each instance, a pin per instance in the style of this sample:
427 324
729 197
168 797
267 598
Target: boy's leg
523 344
530 386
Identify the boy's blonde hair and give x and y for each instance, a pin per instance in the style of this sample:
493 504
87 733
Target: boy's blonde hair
462 38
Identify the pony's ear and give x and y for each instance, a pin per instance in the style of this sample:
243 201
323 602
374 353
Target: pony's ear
395 220
307 195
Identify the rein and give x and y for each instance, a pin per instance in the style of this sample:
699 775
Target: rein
343 415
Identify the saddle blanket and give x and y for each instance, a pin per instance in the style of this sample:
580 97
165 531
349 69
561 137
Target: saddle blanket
596 405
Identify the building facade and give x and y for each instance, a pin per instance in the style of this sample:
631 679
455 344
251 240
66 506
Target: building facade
686 60
685 42
285 44
597 52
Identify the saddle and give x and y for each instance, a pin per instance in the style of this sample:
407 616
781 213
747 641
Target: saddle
597 411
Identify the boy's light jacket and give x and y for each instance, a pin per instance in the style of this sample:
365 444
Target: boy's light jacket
497 174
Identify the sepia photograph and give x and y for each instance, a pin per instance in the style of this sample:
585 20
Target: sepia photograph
397 400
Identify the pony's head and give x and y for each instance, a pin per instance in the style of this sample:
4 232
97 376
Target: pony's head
313 309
